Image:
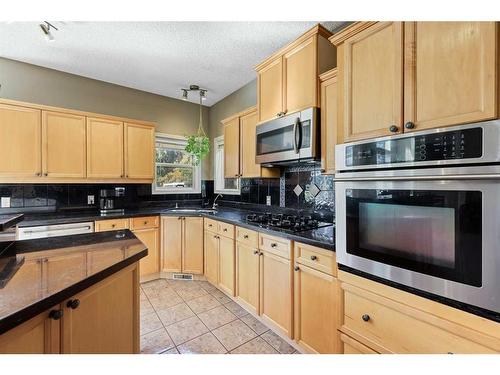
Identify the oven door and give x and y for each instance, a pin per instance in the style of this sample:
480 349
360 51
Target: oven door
439 236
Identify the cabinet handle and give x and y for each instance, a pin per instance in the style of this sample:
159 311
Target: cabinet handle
245 236
55 314
451 353
410 125
126 176
273 245
296 268
314 257
255 252
73 303
179 218
365 317
393 128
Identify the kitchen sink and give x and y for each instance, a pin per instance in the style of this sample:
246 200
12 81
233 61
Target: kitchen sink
193 210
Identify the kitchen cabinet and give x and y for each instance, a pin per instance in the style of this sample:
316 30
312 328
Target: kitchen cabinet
226 265
450 73
63 145
182 244
239 147
20 142
317 302
149 234
276 282
103 318
111 224
139 151
351 346
329 122
388 320
104 148
212 257
288 81
247 269
399 77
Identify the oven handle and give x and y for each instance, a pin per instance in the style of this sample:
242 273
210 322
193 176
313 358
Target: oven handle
413 178
297 135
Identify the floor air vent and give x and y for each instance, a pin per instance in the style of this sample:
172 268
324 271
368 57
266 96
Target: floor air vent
182 276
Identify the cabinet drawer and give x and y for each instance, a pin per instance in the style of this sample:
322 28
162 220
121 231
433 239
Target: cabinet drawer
247 236
211 225
275 245
316 258
115 224
226 230
352 346
144 222
391 327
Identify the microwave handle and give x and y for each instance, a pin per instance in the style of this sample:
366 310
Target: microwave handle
297 135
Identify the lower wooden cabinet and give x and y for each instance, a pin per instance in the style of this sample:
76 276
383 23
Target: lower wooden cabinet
247 276
351 346
220 255
101 319
226 264
212 257
182 244
150 264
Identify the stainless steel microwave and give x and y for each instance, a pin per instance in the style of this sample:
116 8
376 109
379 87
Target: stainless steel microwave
288 139
423 210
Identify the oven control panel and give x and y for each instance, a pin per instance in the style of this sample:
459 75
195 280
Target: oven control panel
458 144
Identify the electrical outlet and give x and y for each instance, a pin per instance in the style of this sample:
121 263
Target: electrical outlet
268 200
90 199
5 202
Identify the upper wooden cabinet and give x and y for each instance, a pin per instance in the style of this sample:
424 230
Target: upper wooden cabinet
139 151
63 145
104 148
408 76
239 147
20 142
288 80
450 73
329 121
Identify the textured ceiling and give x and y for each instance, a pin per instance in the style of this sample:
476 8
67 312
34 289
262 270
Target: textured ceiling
157 57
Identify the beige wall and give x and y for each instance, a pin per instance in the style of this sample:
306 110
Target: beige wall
236 102
35 84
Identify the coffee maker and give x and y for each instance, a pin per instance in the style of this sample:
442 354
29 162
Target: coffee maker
111 201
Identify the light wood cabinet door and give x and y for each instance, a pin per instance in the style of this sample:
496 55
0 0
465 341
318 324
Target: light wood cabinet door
151 263
248 124
104 148
317 311
301 76
270 90
373 79
351 346
232 148
106 319
63 145
20 141
65 270
247 276
226 264
329 123
39 335
450 73
192 249
276 292
139 151
212 257
171 238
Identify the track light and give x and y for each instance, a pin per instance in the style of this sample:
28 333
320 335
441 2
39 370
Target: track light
202 92
46 28
184 94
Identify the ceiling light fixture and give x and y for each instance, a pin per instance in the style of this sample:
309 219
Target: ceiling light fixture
184 94
46 27
203 92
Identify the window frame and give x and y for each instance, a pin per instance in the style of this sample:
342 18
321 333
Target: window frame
180 142
218 141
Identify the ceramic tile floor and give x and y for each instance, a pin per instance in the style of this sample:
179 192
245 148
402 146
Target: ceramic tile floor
189 317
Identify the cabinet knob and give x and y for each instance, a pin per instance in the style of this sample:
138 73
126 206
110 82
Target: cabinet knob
73 303
245 236
45 174
255 252
410 125
393 128
314 257
55 314
273 245
38 174
296 268
225 229
365 317
261 254
126 176
113 225
145 223
121 176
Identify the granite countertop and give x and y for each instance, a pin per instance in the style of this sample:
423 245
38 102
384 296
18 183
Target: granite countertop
6 221
322 237
82 260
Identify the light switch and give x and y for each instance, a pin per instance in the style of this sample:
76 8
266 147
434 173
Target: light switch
5 202
90 199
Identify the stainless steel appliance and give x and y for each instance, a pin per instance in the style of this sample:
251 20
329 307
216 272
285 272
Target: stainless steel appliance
286 223
288 139
111 200
423 210
44 231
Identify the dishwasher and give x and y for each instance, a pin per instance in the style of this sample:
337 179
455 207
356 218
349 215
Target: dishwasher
44 231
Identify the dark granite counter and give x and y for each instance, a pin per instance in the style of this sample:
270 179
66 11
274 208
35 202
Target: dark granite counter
6 221
79 261
322 237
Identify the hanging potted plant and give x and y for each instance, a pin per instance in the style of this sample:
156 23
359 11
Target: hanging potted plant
198 144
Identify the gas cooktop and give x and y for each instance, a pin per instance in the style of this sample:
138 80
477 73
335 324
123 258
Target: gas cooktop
287 223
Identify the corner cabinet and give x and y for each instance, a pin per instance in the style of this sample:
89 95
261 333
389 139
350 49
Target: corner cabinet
288 80
399 77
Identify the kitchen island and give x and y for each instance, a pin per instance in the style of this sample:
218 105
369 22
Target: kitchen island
71 294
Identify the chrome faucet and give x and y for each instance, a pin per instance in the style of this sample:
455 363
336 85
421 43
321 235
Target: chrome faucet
214 205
